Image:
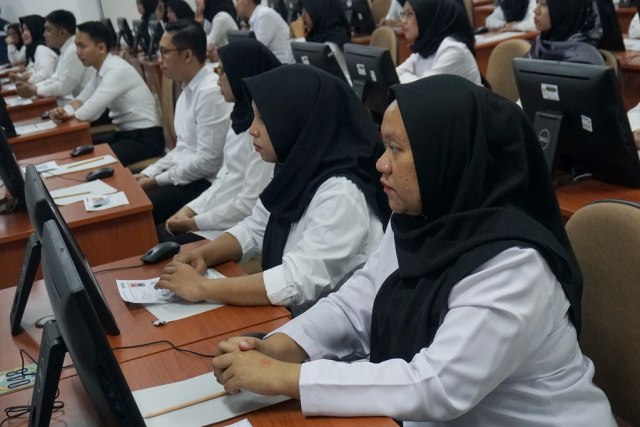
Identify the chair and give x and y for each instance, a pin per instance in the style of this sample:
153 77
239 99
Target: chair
468 5
500 67
384 37
611 60
606 240
379 9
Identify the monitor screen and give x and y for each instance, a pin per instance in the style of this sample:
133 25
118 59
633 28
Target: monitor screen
156 31
11 177
372 73
42 208
112 31
319 55
141 35
125 32
234 35
79 327
593 129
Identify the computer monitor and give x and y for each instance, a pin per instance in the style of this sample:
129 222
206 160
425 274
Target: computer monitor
155 34
372 73
76 330
141 36
5 119
125 32
319 55
114 36
42 208
234 35
577 111
11 177
359 15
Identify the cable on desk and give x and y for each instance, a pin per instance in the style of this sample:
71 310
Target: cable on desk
208 356
118 268
18 411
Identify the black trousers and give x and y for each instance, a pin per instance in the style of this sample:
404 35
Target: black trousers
134 145
168 199
182 238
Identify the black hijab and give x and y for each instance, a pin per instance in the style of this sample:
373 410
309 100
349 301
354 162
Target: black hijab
319 129
181 9
329 22
16 27
573 20
212 7
241 59
149 10
35 24
484 188
514 10
438 19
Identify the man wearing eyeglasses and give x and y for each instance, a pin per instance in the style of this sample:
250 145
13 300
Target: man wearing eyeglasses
202 119
118 87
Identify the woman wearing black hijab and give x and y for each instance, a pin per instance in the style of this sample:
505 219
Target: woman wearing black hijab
569 31
320 216
443 41
512 15
470 307
243 176
41 60
179 9
218 18
325 22
16 50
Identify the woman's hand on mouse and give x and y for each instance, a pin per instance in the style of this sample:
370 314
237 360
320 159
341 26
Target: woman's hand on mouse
183 280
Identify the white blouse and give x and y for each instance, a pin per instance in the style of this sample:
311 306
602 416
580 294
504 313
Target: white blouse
452 57
234 192
272 31
221 25
634 117
70 76
394 11
505 355
333 238
43 65
634 27
496 20
16 56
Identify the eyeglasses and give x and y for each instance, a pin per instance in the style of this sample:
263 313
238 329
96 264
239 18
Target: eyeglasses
407 14
164 51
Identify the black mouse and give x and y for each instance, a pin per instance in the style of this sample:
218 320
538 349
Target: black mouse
481 30
81 149
160 252
45 115
99 173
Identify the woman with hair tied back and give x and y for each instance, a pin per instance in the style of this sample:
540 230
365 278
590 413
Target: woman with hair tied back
512 15
469 309
217 17
443 41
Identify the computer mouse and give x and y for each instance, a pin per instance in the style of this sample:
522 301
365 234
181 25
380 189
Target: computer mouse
45 115
160 252
81 149
481 30
99 174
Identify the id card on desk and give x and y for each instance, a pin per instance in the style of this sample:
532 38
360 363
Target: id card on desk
17 379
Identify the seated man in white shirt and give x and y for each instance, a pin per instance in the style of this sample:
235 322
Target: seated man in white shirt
268 26
70 76
118 87
201 123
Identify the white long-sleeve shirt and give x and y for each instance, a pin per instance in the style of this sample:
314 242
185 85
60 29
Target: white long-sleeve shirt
497 20
222 23
333 238
272 31
16 56
201 122
234 192
634 117
452 57
394 11
505 355
119 87
634 27
70 76
43 65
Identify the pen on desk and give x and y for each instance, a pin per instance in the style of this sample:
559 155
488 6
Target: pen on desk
72 195
185 404
73 165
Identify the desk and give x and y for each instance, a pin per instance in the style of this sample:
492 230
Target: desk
572 197
30 111
104 236
484 49
65 136
630 73
152 366
480 13
625 15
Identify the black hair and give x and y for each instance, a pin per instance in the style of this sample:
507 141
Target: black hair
98 32
181 9
63 19
188 34
149 8
16 27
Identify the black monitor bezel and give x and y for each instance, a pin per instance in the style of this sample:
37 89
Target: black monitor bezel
318 55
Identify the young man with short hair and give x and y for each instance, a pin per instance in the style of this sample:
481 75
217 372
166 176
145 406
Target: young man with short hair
70 76
119 87
268 26
201 123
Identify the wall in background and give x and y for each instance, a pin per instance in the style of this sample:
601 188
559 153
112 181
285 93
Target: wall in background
85 10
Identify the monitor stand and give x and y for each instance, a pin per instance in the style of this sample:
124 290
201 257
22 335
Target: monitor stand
25 282
8 204
50 361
